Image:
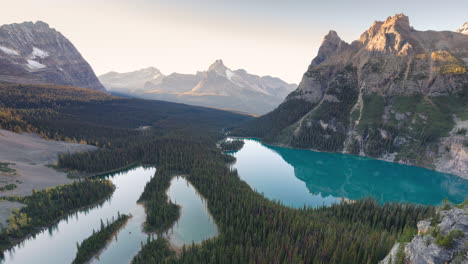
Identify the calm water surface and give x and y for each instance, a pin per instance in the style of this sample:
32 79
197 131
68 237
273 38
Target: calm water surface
57 245
195 222
298 177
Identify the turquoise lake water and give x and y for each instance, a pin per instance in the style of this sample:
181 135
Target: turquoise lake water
298 177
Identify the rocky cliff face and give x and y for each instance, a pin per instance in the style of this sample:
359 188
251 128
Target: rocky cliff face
393 94
218 87
439 241
34 53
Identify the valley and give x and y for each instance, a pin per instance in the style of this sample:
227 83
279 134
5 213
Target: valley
365 161
176 147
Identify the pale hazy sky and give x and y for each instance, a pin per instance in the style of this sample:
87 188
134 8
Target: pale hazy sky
265 37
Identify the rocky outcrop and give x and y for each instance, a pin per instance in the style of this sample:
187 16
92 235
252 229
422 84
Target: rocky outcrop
331 44
454 149
439 241
34 53
218 87
393 94
463 29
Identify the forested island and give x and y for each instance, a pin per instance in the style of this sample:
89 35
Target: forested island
251 228
91 246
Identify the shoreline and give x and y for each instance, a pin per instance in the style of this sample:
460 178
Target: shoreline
465 177
42 228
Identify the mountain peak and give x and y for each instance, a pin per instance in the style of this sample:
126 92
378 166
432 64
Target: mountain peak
40 23
151 70
400 20
217 65
331 44
463 29
35 53
394 35
332 35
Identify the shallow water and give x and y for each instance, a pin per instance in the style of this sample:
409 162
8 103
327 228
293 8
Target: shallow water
195 223
298 177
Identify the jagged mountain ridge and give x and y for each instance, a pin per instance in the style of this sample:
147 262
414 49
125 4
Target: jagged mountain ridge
396 93
34 53
218 87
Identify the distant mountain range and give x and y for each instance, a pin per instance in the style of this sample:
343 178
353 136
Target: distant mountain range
34 53
396 94
217 87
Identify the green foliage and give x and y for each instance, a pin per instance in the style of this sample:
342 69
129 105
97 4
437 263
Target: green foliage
4 167
407 234
435 232
447 241
155 251
400 256
8 187
233 145
372 112
326 127
160 212
270 125
462 205
436 220
44 208
98 240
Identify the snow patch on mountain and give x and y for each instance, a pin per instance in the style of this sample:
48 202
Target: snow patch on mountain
9 51
38 53
229 74
35 65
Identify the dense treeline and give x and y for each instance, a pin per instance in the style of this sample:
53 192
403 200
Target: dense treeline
44 208
96 118
160 212
99 239
233 145
177 151
270 125
154 251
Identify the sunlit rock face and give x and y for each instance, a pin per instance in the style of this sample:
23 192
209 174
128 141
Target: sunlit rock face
34 53
463 29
